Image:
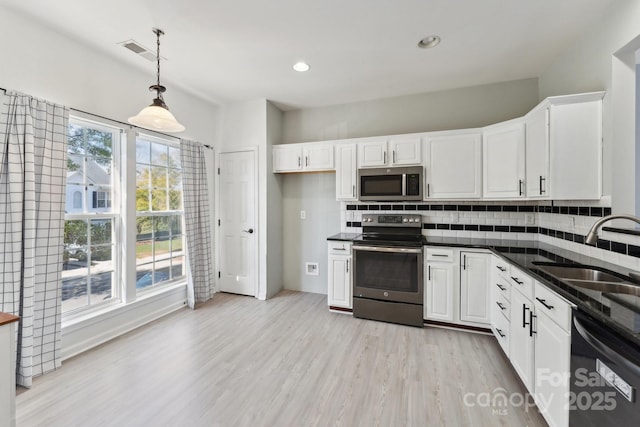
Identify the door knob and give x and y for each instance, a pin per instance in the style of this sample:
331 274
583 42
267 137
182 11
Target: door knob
250 231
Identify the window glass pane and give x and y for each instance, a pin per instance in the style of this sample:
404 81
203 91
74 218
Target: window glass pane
142 176
159 177
144 276
144 238
101 287
159 154
76 139
101 231
176 267
174 158
159 200
142 200
143 151
74 279
175 200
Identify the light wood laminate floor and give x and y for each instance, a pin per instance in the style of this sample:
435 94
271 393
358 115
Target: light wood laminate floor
288 361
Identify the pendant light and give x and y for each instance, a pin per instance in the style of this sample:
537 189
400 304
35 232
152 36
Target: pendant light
157 115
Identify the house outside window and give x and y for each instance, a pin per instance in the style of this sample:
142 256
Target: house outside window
90 238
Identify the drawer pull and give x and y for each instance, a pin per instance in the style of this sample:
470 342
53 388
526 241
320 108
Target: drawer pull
502 288
515 279
340 249
440 255
544 302
501 268
502 307
500 333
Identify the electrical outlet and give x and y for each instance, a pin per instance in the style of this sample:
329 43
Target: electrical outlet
303 214
529 219
311 268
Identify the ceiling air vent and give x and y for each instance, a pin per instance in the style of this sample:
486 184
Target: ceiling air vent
138 49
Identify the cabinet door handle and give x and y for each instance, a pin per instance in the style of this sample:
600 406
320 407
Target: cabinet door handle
502 288
541 187
501 268
520 182
544 302
384 157
515 279
500 333
347 266
502 307
353 190
531 317
429 273
306 160
428 190
524 315
299 162
394 156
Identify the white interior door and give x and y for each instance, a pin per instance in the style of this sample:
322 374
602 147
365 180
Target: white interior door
238 220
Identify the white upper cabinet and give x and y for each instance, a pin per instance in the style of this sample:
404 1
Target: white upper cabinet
303 157
399 151
406 150
346 176
453 165
564 148
287 158
503 159
537 153
372 153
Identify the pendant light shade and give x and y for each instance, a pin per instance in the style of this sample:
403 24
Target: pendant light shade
157 115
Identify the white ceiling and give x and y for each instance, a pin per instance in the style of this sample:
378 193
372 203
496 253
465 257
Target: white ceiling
234 50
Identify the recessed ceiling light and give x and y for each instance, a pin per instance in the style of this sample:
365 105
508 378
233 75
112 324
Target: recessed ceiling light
429 42
301 66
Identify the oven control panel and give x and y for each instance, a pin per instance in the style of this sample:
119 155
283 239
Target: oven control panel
391 220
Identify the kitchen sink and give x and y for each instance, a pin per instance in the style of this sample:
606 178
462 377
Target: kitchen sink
590 278
578 272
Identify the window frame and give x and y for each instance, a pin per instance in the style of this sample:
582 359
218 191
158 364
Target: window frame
113 215
147 136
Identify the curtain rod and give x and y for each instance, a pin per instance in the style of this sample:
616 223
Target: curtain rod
117 121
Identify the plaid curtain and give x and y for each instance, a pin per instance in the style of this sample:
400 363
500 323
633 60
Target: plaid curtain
33 156
197 222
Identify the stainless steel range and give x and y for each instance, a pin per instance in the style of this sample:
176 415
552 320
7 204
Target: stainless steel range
387 269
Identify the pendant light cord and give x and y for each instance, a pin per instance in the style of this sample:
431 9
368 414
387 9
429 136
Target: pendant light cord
158 32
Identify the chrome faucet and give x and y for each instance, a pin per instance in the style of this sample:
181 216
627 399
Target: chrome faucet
592 235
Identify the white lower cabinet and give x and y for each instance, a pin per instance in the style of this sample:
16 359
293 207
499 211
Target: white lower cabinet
521 340
340 264
552 356
456 286
438 295
474 287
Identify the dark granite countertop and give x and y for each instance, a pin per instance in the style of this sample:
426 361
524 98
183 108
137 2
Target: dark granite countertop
620 312
343 237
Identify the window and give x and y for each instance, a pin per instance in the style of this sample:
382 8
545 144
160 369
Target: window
89 266
159 216
93 272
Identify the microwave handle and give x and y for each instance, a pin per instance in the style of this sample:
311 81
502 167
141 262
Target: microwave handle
404 184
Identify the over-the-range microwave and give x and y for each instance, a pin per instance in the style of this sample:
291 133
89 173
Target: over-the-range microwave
390 184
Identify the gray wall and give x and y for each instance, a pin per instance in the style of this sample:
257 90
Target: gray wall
305 240
450 109
603 59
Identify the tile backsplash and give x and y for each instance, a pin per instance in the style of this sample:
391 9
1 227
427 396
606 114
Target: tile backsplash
563 225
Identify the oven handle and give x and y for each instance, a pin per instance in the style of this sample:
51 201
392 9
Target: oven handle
386 249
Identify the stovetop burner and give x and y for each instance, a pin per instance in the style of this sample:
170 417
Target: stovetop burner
391 230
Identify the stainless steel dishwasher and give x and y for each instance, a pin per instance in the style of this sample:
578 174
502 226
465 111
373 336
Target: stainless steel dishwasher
605 375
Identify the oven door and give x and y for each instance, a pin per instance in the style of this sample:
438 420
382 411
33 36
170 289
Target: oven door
388 273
